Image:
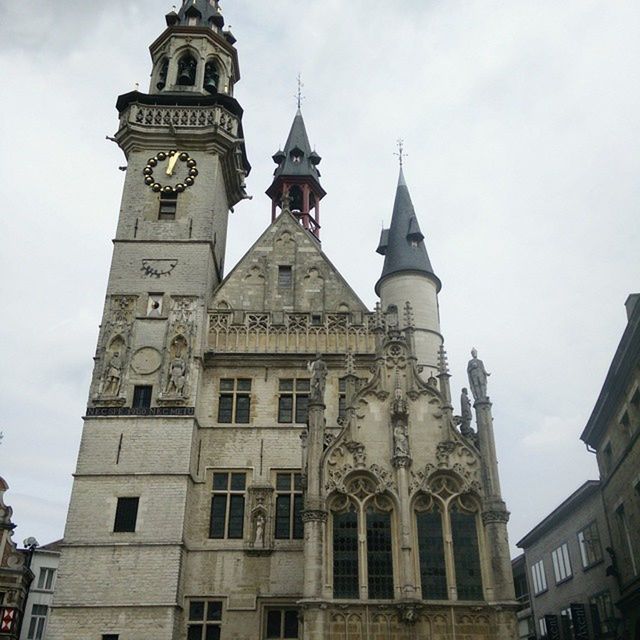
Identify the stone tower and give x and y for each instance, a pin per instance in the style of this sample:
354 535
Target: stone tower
263 457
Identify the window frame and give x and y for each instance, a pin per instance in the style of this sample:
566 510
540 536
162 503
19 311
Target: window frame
561 561
539 577
283 610
142 396
587 545
602 622
123 520
294 497
168 206
285 276
236 395
299 393
37 621
205 622
46 578
229 493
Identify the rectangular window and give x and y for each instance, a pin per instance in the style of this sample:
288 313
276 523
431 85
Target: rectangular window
227 505
154 305
126 515
379 556
561 563
590 548
602 614
110 636
168 206
467 555
433 570
142 396
37 622
345 555
607 458
234 405
45 579
205 620
542 623
539 577
281 624
289 506
625 536
285 277
293 402
566 622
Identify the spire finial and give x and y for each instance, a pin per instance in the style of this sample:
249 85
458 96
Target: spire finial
299 97
401 154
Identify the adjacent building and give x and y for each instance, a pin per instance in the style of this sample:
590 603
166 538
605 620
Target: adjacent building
567 565
263 456
613 433
526 622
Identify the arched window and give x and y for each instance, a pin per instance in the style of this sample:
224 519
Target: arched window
211 77
162 75
295 193
187 66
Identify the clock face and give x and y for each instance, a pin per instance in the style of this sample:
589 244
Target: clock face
170 171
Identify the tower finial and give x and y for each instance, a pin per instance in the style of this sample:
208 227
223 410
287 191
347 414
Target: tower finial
401 154
299 97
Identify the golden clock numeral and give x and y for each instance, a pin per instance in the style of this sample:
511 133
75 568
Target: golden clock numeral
171 165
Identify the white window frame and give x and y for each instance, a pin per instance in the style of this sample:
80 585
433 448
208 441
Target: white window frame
46 578
37 622
542 623
539 578
589 542
561 563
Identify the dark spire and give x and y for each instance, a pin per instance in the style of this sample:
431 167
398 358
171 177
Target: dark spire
402 245
197 13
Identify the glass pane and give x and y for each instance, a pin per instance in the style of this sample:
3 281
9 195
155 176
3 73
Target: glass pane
238 481
379 560
297 481
126 515
283 517
220 481
302 408
213 632
244 384
243 409
32 628
345 555
196 610
225 409
285 409
39 629
298 526
432 567
290 624
467 556
286 384
303 384
226 385
273 624
49 582
236 517
283 482
342 385
195 632
218 513
214 611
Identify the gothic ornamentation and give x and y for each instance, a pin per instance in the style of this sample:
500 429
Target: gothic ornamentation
259 541
314 515
154 116
495 516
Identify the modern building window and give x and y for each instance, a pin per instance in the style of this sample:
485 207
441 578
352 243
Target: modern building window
37 622
561 563
539 577
234 405
345 555
142 396
379 555
45 578
227 505
602 614
281 624
205 620
168 206
542 624
289 506
466 554
433 571
293 401
285 277
126 515
590 547
625 537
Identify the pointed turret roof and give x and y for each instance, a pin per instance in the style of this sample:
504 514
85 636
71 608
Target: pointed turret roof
297 159
402 244
206 13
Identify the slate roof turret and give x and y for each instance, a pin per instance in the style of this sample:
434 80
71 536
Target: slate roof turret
207 14
402 244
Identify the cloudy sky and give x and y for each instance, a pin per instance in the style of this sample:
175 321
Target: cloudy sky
522 124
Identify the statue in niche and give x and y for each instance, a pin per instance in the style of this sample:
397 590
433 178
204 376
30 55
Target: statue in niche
177 369
477 377
400 441
113 375
318 371
466 414
259 538
399 406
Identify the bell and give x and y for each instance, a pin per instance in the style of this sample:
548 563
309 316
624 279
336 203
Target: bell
185 77
210 85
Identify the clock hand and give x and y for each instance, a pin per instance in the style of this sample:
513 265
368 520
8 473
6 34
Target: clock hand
171 165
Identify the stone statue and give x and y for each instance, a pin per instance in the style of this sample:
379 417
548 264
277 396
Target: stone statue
400 442
318 371
399 402
259 539
477 377
113 376
467 415
177 376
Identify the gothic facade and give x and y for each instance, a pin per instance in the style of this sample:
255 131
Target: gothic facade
263 456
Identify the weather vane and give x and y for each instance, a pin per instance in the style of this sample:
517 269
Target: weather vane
299 97
401 154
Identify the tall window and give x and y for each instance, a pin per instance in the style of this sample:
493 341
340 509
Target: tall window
539 577
205 618
187 66
590 547
466 554
281 624
625 536
379 555
37 622
234 405
45 578
142 396
227 505
293 403
602 614
285 276
566 622
126 515
561 563
289 506
345 555
433 570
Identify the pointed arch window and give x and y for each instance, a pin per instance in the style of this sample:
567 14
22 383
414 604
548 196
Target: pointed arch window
162 74
345 554
187 66
211 77
433 569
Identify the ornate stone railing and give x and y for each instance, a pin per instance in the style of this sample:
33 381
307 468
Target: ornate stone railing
257 334
190 117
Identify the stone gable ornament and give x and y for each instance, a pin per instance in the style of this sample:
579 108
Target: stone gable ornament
477 377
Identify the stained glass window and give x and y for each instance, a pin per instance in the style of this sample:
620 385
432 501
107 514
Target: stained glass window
467 555
433 571
345 555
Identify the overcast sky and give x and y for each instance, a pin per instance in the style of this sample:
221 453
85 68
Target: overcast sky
521 121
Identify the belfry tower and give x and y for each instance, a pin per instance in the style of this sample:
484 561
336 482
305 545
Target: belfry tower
263 457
